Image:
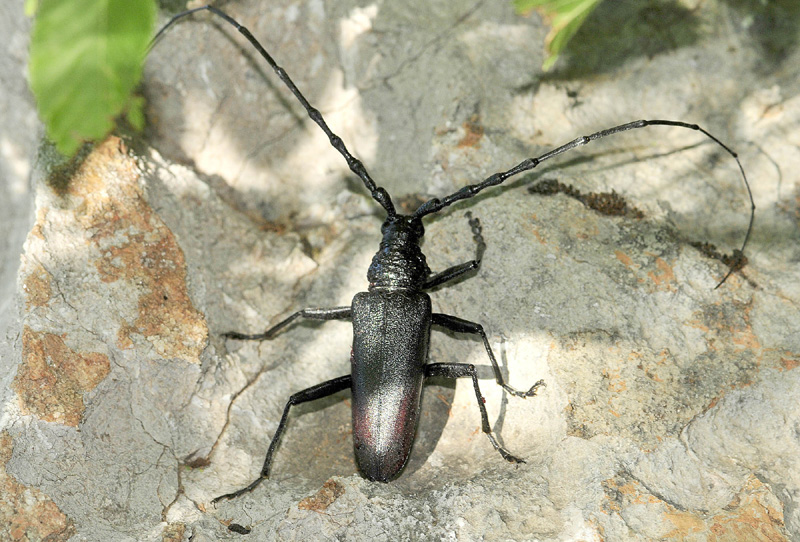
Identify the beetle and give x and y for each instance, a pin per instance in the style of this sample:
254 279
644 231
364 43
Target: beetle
392 320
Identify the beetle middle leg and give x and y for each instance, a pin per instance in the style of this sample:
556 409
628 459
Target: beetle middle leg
334 313
313 393
459 325
460 370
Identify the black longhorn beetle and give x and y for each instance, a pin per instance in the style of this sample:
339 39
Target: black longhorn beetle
392 320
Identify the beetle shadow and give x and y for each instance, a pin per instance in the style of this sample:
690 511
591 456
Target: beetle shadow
437 401
312 455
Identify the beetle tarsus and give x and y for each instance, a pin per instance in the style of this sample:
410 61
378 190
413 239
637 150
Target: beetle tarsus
248 489
503 452
524 394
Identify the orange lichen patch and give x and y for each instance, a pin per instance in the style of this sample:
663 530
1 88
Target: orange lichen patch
616 384
788 364
137 247
41 216
536 233
755 514
714 402
743 334
665 277
628 262
473 133
741 329
167 317
633 492
52 378
653 367
322 499
624 258
36 286
124 341
26 513
745 338
686 523
621 493
173 532
730 320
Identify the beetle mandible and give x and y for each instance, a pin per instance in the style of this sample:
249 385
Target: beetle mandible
392 320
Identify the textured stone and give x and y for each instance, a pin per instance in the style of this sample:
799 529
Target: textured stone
670 407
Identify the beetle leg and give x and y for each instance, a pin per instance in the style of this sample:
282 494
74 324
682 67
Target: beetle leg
457 270
450 273
459 370
335 313
459 325
324 389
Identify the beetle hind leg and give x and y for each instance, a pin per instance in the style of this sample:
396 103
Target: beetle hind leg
460 370
324 389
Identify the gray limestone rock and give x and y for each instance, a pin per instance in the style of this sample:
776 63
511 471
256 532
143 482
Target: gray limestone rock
670 411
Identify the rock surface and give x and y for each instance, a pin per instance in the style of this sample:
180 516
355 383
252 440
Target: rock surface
671 408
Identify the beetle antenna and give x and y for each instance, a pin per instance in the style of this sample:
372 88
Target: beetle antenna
378 193
436 204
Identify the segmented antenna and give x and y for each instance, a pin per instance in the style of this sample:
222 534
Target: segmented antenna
434 205
437 204
378 193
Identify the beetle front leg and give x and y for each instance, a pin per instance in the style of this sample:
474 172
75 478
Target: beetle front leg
313 393
457 270
459 370
459 325
335 313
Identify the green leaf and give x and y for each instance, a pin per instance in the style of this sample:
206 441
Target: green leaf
565 17
30 8
85 60
135 114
